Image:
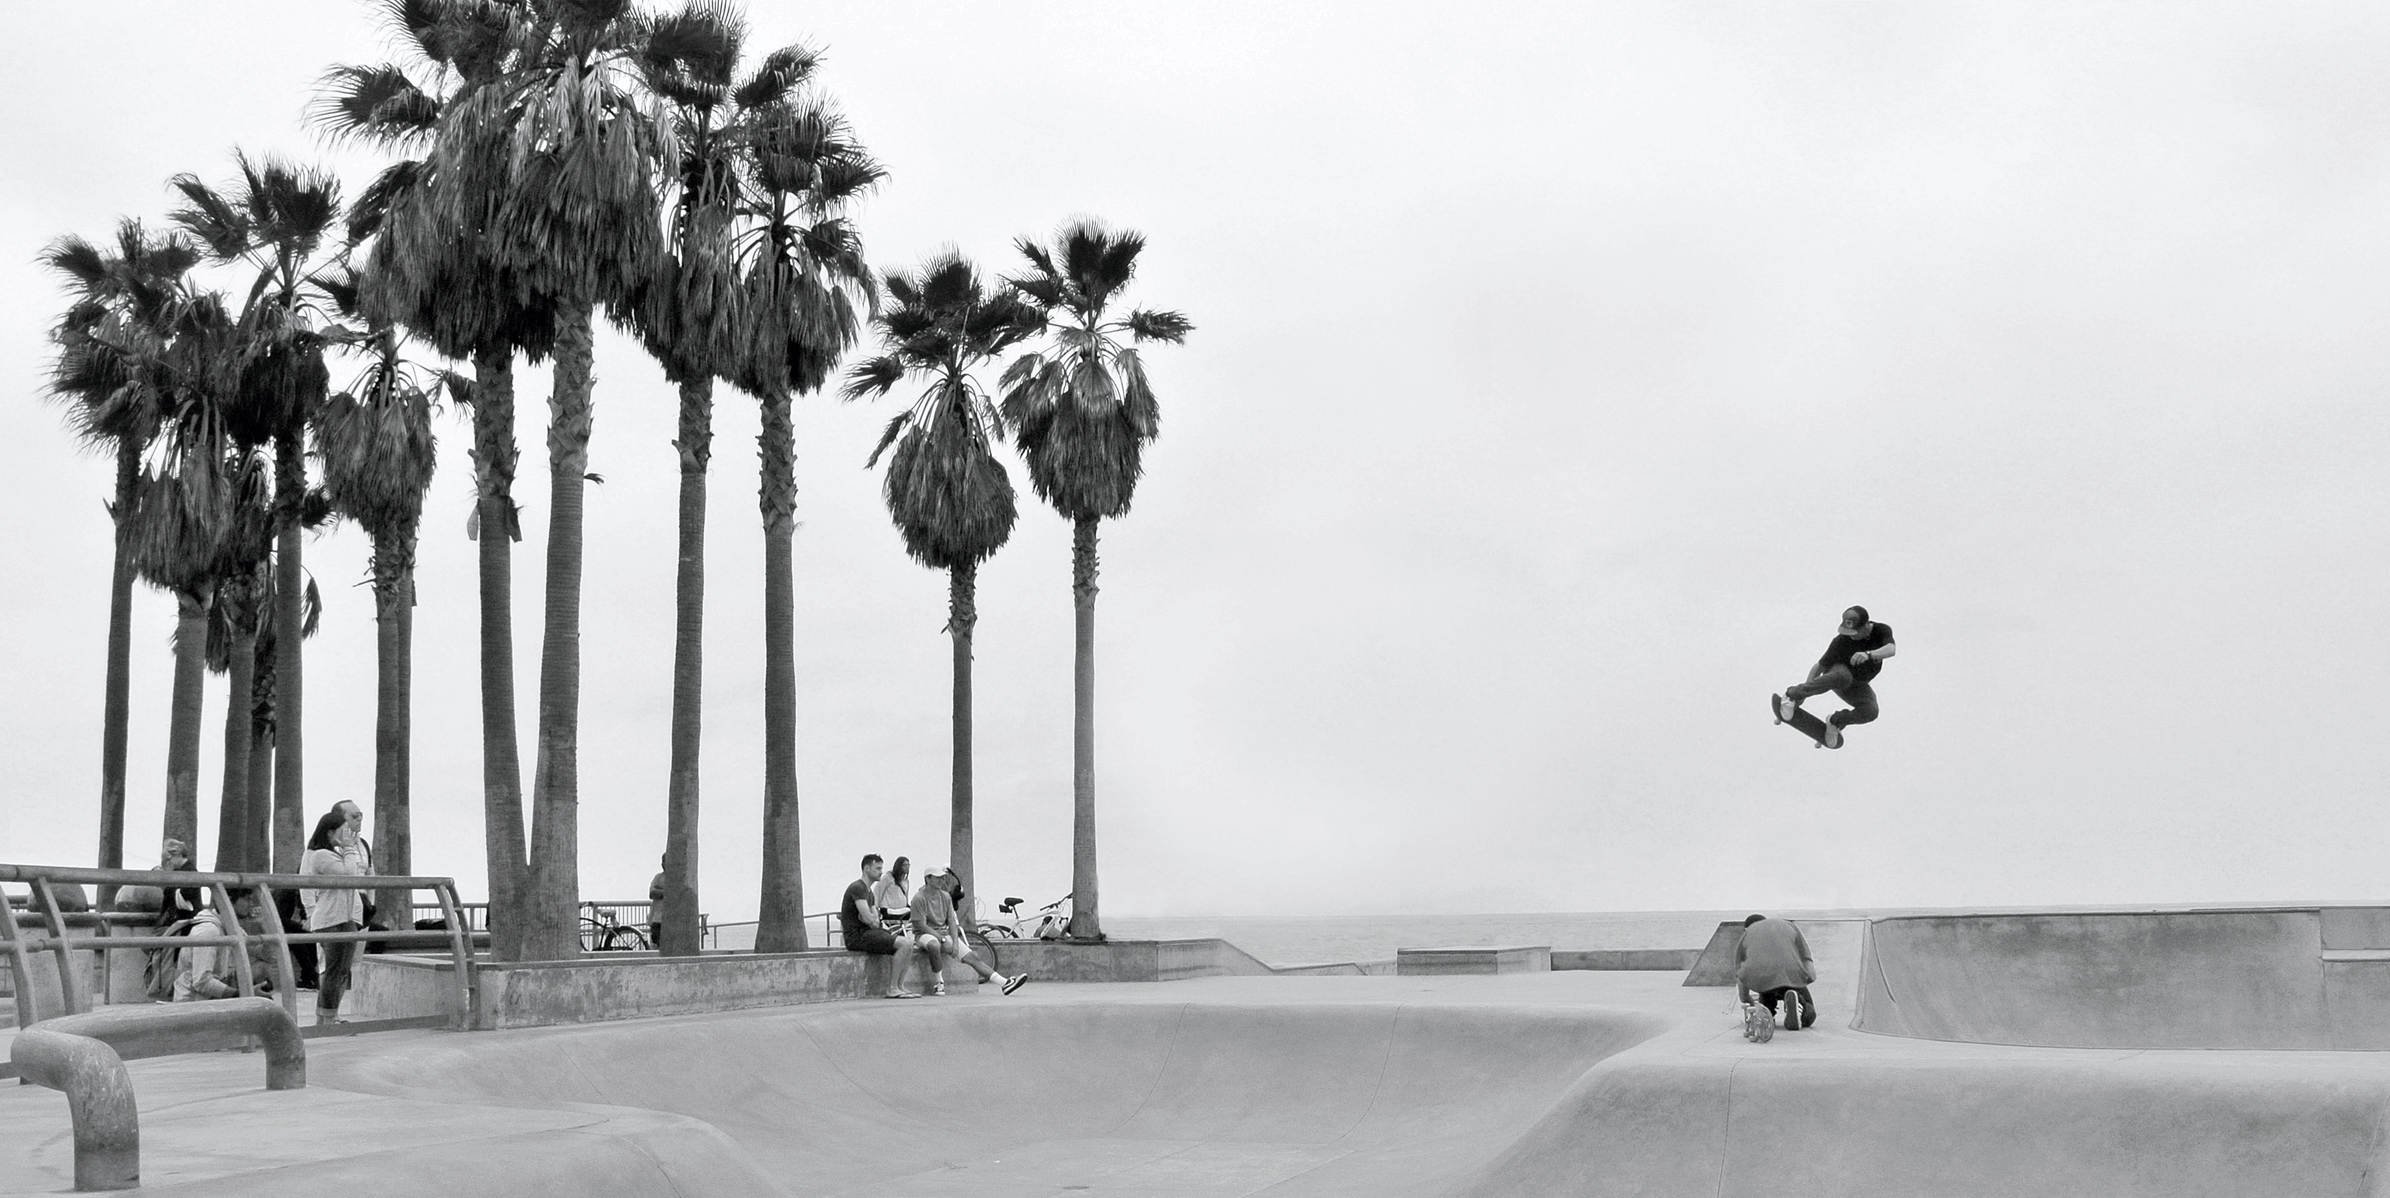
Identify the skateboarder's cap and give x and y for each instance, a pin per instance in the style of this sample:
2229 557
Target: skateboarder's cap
1854 614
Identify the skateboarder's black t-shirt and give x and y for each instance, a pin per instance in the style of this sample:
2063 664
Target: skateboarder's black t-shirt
1839 653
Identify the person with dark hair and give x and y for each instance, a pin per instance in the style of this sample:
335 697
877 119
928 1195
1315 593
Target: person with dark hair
859 925
1851 661
1773 964
335 849
893 896
939 931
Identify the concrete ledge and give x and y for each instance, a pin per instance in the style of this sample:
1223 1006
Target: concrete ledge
617 986
1473 959
1661 960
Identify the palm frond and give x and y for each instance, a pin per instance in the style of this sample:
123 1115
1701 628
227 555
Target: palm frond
780 74
378 105
1159 326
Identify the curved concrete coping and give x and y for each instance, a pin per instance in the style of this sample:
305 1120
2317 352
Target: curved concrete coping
81 1056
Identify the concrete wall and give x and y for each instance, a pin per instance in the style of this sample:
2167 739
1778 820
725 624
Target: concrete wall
2313 978
635 985
1658 960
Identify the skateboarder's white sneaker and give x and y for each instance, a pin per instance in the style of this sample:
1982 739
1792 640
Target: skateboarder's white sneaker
1785 707
1833 735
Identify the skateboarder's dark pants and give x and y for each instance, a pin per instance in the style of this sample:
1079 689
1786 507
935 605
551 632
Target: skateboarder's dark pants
1808 1007
1850 690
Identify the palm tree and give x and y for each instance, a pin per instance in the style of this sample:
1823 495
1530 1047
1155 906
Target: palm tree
275 218
804 290
549 172
432 269
682 313
123 296
947 493
1083 413
185 522
234 621
378 451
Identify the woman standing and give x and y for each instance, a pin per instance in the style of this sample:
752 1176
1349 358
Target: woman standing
335 850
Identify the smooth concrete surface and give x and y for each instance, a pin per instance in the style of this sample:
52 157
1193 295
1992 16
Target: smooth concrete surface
1561 1083
1473 959
2289 978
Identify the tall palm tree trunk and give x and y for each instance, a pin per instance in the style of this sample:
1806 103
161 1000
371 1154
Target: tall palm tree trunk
553 934
259 821
394 691
182 745
290 593
962 615
494 457
1084 922
257 818
233 838
117 710
780 918
695 445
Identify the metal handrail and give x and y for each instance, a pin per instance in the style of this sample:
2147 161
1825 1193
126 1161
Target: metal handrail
47 914
82 1056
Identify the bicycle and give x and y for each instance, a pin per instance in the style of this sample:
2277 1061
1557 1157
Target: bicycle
1051 922
603 932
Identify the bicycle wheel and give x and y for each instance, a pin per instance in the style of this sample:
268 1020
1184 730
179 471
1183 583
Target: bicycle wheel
593 935
626 939
977 942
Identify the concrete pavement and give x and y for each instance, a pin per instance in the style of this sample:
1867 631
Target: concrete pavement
1561 1083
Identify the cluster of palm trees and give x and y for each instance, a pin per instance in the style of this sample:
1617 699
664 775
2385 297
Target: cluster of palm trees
556 158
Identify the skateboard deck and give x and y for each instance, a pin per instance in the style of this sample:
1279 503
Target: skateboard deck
1810 726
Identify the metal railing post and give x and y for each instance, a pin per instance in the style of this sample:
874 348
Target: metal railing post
240 938
70 984
460 946
20 969
286 973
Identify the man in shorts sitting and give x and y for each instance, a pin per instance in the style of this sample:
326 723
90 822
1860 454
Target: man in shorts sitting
859 923
1773 963
940 932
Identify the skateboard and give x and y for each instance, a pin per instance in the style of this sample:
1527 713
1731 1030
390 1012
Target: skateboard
1810 726
1758 1023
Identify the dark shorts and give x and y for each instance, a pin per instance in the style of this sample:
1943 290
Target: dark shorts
879 942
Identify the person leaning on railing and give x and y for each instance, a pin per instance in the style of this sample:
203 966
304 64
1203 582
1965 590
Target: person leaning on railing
334 849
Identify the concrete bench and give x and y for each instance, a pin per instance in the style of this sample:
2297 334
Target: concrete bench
80 1055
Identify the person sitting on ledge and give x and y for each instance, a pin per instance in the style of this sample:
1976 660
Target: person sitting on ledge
212 970
859 924
940 932
1773 962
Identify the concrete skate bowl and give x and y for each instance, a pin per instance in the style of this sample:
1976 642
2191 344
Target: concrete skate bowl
1131 1098
2281 978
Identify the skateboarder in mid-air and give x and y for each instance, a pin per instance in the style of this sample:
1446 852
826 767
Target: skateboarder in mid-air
1851 661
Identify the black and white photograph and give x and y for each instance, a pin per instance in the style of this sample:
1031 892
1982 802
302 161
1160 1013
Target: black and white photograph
725 598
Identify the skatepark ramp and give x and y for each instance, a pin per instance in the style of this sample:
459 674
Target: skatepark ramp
2250 978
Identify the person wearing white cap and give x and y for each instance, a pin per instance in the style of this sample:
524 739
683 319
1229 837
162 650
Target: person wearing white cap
940 933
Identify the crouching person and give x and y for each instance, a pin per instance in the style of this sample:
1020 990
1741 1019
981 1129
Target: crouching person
859 924
940 932
1773 962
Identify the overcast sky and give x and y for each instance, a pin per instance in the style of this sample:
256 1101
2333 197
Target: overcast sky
1559 374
